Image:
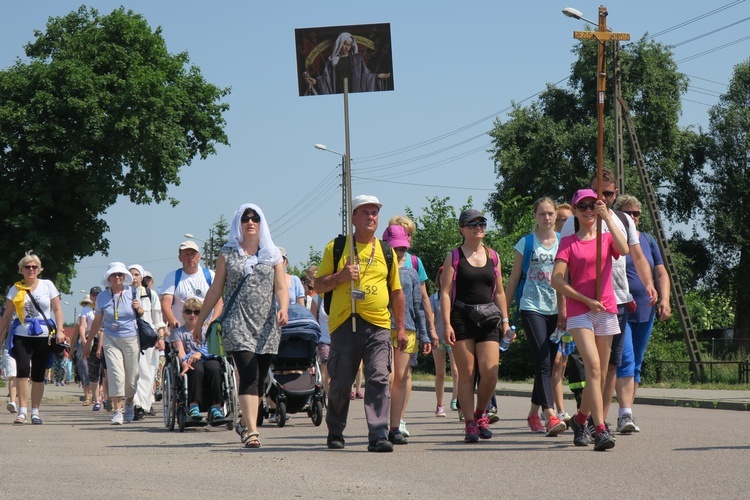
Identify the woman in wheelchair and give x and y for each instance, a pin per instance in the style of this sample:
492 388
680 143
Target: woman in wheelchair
203 370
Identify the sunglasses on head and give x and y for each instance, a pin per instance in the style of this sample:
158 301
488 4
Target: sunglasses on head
632 213
476 223
583 206
30 266
194 312
247 218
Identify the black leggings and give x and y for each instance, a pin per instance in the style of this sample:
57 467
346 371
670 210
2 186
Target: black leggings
32 357
253 370
538 328
204 383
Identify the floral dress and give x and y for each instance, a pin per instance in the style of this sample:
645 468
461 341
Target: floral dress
250 324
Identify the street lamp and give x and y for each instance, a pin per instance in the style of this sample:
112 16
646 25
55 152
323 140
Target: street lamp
345 186
577 14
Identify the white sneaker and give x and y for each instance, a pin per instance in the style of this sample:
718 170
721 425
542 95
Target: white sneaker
117 418
11 406
402 428
440 411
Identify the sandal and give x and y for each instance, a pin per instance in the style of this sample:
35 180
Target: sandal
87 402
20 419
35 420
250 439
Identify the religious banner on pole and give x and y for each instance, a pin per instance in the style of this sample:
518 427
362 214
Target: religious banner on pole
328 55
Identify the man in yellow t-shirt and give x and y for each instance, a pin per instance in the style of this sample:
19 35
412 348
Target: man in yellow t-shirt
367 280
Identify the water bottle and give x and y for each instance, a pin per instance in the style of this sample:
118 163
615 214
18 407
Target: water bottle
566 337
507 339
556 336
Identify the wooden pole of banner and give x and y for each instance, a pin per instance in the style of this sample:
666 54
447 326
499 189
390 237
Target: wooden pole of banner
602 36
348 198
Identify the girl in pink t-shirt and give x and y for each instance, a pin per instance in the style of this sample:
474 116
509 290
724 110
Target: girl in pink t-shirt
592 322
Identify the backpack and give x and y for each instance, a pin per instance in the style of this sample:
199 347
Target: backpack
454 263
178 275
338 250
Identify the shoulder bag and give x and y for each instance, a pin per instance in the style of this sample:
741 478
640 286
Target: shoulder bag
57 349
147 337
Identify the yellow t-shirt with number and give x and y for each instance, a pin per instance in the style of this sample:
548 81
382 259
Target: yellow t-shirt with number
372 281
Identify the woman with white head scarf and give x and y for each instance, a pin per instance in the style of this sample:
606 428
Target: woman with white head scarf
115 313
250 329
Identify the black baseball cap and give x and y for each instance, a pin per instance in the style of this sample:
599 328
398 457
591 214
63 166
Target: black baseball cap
95 289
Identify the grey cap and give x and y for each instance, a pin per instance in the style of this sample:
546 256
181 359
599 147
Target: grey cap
469 215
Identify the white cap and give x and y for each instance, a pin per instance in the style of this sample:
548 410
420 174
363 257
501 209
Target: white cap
365 199
191 245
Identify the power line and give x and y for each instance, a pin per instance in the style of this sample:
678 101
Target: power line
709 33
421 185
706 80
710 51
697 18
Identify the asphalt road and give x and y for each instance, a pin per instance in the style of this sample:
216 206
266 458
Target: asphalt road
680 453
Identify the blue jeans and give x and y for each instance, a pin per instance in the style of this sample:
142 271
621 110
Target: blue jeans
634 348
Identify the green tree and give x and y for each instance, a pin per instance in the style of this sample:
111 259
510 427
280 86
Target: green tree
728 185
217 238
549 147
99 109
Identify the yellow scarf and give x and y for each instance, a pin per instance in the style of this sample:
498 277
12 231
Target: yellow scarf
19 301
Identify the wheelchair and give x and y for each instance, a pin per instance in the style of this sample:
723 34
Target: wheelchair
175 396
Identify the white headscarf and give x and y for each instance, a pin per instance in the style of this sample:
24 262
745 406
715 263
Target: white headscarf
268 253
340 43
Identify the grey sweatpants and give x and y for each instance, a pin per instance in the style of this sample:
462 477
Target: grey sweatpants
372 345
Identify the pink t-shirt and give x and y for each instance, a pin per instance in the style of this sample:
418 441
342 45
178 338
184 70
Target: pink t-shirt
581 258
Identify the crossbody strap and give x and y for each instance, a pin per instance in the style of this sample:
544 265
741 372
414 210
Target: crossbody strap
52 330
232 298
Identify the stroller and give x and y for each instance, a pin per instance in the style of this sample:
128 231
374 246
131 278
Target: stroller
294 381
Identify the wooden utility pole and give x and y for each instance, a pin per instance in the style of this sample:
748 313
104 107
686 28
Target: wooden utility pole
601 35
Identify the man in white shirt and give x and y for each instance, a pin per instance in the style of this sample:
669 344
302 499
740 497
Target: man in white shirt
191 280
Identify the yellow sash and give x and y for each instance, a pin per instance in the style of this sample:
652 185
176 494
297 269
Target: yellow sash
20 300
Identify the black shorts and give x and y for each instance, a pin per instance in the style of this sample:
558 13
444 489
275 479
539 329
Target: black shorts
466 329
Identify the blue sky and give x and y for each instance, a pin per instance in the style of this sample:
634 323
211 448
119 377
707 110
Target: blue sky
457 66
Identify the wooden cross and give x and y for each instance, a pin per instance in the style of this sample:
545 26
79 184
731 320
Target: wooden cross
602 35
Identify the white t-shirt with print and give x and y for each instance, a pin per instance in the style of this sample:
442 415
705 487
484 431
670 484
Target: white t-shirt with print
190 285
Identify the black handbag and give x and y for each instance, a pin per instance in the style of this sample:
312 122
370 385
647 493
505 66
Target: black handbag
57 349
147 336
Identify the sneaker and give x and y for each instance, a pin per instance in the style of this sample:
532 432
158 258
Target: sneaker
402 428
454 404
440 411
20 419
580 433
129 414
117 418
97 406
194 413
603 441
335 442
555 426
140 413
216 413
395 437
151 412
483 424
535 423
11 406
471 432
352 396
359 395
625 424
380 446
492 415
637 429
461 417
36 420
565 417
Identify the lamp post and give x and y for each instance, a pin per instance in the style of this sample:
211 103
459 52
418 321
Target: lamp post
345 187
602 35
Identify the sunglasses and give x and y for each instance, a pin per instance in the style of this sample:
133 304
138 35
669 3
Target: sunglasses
118 275
194 312
632 213
29 266
475 224
561 219
247 218
608 194
583 206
